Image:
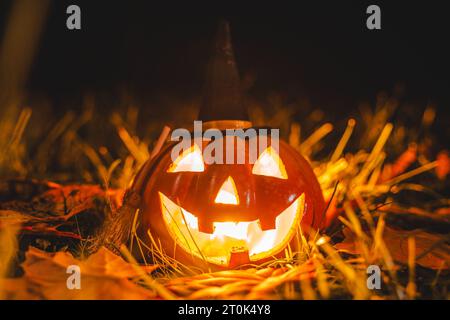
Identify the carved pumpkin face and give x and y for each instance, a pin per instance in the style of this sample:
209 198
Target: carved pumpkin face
228 214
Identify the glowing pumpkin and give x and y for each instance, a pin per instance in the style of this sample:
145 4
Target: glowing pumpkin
228 214
225 215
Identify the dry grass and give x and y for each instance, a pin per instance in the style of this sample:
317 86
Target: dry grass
358 184
357 169
361 184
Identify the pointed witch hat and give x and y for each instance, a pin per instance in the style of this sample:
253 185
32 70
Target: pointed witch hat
222 97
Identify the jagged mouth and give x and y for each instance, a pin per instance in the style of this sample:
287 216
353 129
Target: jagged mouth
231 243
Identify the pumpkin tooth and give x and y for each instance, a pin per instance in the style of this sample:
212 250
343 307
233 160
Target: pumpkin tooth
267 223
238 256
205 226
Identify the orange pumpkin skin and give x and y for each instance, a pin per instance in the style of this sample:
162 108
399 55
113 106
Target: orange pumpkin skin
261 198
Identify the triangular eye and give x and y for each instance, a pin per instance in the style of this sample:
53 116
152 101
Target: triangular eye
269 164
191 160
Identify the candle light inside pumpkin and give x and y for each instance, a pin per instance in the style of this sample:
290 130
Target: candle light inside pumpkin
218 246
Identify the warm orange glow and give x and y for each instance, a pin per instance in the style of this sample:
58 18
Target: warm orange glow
191 160
218 246
321 241
234 230
190 219
228 193
269 164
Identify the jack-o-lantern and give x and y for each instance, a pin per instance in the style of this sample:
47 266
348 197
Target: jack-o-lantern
225 215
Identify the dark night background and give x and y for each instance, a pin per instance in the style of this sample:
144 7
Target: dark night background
319 50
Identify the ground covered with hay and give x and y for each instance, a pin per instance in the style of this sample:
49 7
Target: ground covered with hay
385 178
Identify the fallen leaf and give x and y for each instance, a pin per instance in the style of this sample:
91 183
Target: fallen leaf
443 165
17 289
400 165
53 210
103 276
432 252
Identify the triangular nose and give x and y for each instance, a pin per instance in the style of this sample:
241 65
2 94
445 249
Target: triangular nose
227 193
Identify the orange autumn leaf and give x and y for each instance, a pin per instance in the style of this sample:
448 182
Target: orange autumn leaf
443 211
401 164
431 251
443 165
74 198
17 289
103 276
